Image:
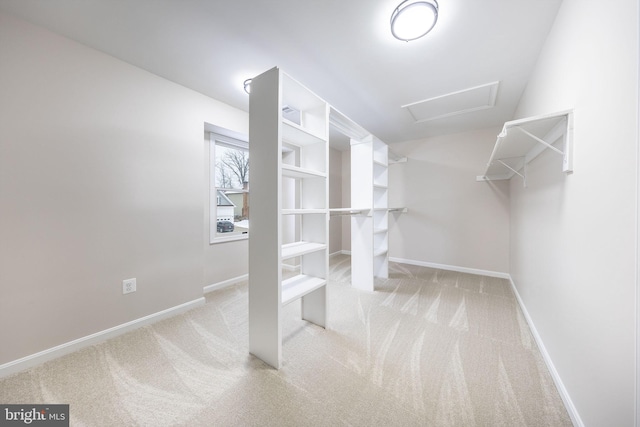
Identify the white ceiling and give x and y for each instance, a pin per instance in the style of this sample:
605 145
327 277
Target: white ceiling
341 49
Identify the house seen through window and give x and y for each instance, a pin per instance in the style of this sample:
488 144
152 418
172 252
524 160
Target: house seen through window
229 187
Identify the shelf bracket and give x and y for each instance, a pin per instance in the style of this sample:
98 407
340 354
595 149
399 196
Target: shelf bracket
523 175
540 140
555 129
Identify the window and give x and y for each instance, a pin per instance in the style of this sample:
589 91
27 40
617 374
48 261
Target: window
228 185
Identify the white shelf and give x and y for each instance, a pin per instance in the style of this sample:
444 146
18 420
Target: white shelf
295 134
380 252
291 171
380 230
292 250
393 161
303 211
523 140
299 286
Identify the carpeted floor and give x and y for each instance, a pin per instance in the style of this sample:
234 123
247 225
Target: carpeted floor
428 348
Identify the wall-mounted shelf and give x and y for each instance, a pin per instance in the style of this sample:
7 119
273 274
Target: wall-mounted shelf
395 158
523 140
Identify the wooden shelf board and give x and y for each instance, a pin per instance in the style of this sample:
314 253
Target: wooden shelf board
380 252
301 173
291 250
299 286
297 135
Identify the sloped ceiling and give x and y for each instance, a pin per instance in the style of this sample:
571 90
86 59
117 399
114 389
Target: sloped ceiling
341 49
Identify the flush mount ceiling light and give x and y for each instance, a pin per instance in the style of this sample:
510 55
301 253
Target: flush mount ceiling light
247 86
413 19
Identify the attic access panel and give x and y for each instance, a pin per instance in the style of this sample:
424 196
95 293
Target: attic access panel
454 103
523 140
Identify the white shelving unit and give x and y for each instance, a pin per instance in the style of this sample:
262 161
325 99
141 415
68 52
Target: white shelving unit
523 140
288 133
369 233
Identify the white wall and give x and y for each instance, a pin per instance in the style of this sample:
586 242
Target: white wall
452 220
573 256
101 179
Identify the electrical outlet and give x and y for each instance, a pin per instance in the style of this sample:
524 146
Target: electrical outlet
128 286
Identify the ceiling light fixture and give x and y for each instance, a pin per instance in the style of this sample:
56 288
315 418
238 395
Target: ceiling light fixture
413 19
247 86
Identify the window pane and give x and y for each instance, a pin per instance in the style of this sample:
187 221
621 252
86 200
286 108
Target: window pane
232 213
229 190
232 167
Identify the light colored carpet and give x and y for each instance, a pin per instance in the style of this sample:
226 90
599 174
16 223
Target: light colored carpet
429 348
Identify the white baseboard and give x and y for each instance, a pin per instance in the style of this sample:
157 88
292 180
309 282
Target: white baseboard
564 394
89 340
225 283
489 273
340 252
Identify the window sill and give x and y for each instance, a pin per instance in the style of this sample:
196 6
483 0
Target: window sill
235 238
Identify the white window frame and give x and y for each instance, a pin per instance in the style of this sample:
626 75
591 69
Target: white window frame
227 138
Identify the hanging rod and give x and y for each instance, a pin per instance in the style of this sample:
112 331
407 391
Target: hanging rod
348 211
401 210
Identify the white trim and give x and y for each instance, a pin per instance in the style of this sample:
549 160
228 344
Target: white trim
30 361
564 394
340 252
637 245
225 283
480 272
636 413
491 101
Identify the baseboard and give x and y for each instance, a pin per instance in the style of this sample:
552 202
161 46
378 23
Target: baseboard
489 273
340 252
225 283
93 339
564 394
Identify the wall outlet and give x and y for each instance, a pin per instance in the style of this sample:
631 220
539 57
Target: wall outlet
128 286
